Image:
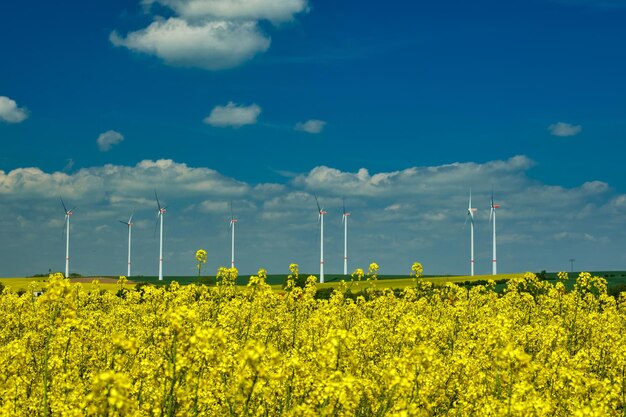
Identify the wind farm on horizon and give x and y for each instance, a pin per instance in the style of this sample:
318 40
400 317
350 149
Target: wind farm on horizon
161 210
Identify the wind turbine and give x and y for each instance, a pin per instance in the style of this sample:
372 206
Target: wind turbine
129 223
233 221
344 220
320 220
68 213
161 212
492 217
470 216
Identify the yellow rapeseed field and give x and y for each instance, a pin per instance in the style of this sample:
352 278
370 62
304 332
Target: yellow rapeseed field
536 350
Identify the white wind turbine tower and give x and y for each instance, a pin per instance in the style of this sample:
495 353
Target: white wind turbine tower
68 214
320 220
233 221
492 217
470 216
129 223
161 212
344 220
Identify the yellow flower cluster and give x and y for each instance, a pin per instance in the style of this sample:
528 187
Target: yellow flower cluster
417 269
200 259
535 350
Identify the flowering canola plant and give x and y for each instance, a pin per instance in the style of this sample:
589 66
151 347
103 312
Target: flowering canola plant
535 350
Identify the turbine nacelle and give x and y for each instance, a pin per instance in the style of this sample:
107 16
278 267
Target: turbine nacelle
67 212
162 210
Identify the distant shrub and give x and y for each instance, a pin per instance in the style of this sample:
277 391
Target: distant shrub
323 293
616 290
207 281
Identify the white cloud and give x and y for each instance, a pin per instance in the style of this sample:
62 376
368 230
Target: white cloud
233 115
564 129
212 45
272 10
414 181
107 139
397 217
575 236
214 207
10 113
209 34
311 126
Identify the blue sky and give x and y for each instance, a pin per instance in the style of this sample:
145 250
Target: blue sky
268 103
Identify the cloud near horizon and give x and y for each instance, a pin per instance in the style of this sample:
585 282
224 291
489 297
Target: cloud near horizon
233 115
398 217
564 129
209 34
10 112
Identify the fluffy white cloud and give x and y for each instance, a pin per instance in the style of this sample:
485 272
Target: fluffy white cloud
564 129
311 126
209 34
233 115
397 218
213 45
10 113
437 180
272 10
107 139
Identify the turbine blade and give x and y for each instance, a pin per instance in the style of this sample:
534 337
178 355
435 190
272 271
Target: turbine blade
63 227
123 222
63 203
130 219
156 224
157 199
319 209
